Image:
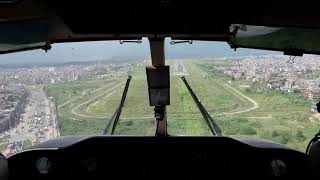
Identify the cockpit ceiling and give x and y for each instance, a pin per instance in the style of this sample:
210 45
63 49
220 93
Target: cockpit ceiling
74 20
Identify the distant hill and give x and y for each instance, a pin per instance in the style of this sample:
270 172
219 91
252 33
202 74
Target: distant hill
90 51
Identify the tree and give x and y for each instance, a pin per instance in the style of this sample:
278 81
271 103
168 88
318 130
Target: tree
296 91
248 131
248 90
129 123
284 139
274 133
300 136
308 71
242 75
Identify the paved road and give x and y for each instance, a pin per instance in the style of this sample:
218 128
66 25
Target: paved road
235 92
179 70
37 121
255 104
109 92
96 90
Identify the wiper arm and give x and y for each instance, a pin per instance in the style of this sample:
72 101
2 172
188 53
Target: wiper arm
115 118
213 126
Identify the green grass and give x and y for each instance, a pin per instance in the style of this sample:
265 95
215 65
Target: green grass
184 116
78 91
289 113
64 92
281 117
27 144
137 101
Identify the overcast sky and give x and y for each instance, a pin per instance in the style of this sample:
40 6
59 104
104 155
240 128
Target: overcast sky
86 51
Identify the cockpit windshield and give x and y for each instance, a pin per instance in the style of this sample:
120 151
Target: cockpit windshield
75 89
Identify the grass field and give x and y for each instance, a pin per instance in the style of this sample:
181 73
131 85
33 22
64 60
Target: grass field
26 144
281 117
86 106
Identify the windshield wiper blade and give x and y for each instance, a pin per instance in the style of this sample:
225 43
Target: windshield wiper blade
116 116
213 126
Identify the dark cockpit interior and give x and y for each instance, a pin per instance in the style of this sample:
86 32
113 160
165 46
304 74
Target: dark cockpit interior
39 24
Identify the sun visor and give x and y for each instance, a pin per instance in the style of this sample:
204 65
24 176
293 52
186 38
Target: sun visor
293 41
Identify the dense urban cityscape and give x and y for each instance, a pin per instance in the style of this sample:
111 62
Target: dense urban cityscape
27 114
299 74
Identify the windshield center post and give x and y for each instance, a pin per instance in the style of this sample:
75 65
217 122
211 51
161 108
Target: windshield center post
158 78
